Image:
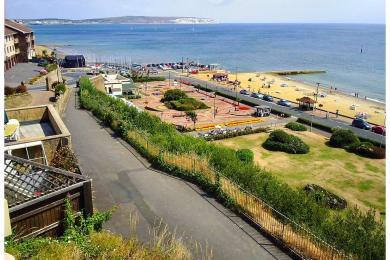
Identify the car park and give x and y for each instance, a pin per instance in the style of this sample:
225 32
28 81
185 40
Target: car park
361 123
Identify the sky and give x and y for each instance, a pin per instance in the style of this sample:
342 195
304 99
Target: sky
227 11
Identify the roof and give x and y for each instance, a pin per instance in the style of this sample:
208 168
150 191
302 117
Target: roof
17 26
26 181
9 31
74 57
306 100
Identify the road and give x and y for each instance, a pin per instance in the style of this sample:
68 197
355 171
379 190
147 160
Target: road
121 177
330 123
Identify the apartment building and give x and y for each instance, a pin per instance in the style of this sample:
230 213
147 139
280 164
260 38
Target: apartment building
18 43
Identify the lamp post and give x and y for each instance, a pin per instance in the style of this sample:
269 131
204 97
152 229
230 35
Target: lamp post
318 85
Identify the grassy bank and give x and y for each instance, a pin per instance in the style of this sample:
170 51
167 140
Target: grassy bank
352 231
85 239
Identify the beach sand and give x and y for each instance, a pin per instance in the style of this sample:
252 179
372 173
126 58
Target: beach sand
331 102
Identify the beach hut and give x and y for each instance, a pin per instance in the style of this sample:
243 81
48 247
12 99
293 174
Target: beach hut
306 103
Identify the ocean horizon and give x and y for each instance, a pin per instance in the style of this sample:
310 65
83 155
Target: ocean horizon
353 55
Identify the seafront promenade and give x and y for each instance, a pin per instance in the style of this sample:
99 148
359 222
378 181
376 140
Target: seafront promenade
279 85
309 117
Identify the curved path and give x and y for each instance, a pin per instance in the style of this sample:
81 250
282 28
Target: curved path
121 177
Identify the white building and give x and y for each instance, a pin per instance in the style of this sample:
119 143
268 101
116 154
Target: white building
118 85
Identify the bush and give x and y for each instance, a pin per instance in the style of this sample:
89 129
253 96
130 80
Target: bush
369 150
296 126
173 94
60 89
9 91
21 89
279 140
245 155
343 138
325 197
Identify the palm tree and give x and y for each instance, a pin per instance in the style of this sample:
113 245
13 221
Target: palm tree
193 116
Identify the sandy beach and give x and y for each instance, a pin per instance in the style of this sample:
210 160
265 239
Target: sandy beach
286 88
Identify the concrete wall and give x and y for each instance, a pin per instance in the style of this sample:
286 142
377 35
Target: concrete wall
98 82
43 113
35 113
51 77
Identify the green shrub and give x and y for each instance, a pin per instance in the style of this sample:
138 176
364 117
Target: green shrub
60 89
279 140
354 232
245 155
296 126
369 150
173 94
343 138
9 91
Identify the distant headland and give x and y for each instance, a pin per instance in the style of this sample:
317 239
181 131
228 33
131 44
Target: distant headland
122 20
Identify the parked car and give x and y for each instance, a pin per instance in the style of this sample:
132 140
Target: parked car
244 92
268 98
379 130
257 95
284 103
361 123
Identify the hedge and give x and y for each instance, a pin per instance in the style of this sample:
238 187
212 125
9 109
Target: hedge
296 126
147 79
351 230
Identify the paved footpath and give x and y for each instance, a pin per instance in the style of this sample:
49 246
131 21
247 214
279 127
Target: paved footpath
122 178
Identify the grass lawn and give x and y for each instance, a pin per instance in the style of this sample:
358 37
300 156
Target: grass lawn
359 180
17 100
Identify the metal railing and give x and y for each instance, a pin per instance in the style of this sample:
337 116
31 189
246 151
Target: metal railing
297 238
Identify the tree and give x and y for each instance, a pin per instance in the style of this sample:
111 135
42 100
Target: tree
193 116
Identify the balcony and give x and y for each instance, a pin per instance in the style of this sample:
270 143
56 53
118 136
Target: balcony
17 51
16 40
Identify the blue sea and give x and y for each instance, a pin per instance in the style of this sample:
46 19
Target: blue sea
352 54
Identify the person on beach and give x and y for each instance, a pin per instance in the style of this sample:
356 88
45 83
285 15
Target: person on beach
337 113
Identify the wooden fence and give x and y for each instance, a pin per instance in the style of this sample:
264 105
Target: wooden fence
43 214
292 235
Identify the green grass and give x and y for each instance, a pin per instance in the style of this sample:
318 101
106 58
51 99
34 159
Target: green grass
361 181
350 166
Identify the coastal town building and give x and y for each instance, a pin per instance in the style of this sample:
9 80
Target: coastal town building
18 43
118 85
